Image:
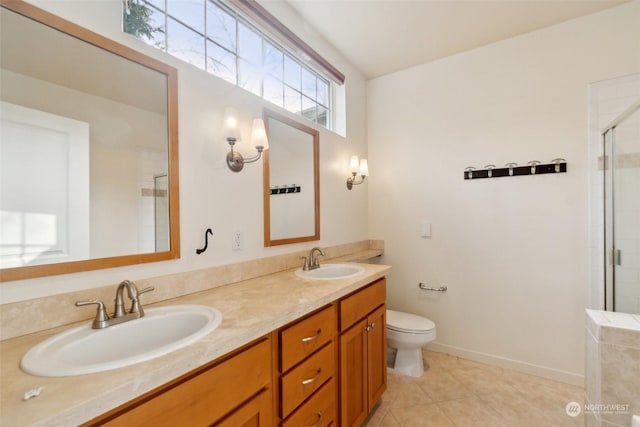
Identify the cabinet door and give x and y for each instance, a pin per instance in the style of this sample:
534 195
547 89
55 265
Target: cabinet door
353 375
376 356
255 413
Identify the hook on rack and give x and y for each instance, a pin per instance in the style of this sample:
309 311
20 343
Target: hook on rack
206 241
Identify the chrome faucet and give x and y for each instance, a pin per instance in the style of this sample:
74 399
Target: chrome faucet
133 296
102 319
313 258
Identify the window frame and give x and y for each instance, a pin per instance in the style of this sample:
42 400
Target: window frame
318 108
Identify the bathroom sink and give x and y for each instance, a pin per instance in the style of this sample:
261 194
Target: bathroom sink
331 272
83 350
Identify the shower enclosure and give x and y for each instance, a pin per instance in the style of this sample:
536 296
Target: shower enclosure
621 164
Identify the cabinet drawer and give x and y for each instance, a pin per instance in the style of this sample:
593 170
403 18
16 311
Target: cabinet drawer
306 378
205 397
361 303
302 339
318 411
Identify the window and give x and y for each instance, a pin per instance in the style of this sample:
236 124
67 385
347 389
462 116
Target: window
211 36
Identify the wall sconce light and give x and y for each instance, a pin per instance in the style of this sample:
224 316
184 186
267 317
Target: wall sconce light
235 161
361 167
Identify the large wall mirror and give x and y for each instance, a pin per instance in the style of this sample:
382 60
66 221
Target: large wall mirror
88 149
291 182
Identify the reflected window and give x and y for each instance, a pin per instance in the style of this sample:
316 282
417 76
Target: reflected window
213 37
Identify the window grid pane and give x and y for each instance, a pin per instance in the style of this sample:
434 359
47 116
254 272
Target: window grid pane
184 43
210 36
221 62
221 27
188 12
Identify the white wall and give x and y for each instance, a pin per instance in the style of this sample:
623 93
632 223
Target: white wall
210 194
512 251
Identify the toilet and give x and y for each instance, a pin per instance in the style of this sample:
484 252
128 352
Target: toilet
408 333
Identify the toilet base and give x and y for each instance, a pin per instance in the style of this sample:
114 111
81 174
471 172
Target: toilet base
409 362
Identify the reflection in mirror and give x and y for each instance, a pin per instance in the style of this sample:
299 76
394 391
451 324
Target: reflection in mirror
88 149
291 183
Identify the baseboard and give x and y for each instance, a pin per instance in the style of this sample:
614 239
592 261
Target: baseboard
528 368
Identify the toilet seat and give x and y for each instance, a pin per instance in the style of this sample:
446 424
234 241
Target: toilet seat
409 323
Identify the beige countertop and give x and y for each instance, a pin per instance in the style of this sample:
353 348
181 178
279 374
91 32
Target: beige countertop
250 309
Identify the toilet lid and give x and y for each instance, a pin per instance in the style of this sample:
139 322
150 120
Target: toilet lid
407 322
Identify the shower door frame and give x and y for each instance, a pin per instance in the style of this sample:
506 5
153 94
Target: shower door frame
611 253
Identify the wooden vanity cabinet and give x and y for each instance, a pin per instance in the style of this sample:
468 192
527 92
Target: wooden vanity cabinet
362 352
230 392
328 368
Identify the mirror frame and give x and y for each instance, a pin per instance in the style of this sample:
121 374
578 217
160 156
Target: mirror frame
268 241
43 17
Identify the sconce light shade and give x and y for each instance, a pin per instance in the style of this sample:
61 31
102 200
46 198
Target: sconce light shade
230 124
364 167
354 165
357 167
259 135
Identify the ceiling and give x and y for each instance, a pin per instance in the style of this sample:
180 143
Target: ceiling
383 36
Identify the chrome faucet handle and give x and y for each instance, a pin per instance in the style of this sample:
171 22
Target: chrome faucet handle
136 307
101 318
305 266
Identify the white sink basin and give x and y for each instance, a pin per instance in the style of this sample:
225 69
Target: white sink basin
83 350
331 272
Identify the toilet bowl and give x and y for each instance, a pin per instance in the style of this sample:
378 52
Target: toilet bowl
408 333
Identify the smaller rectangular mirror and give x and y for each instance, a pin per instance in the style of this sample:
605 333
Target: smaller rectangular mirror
291 182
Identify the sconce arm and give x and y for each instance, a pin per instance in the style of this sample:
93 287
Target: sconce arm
256 157
236 161
351 181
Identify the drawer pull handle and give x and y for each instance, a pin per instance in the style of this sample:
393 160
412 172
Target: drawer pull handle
310 380
320 416
315 337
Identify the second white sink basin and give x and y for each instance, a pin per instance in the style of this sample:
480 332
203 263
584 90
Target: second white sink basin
83 350
331 272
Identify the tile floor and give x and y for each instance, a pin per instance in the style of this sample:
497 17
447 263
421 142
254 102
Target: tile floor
457 392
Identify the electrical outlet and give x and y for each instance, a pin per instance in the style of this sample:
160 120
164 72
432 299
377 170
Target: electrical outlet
237 243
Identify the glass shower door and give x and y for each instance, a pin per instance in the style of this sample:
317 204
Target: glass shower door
622 212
